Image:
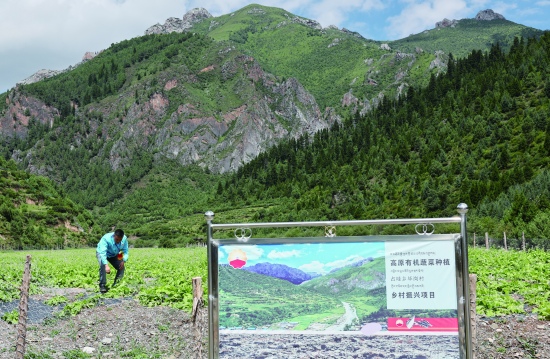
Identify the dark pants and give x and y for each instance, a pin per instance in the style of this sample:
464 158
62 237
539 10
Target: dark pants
115 264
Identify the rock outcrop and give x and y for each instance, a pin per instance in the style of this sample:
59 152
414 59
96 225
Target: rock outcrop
39 76
21 109
307 22
174 24
488 15
271 110
440 62
45 73
446 23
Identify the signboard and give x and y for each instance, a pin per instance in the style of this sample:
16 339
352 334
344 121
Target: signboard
329 297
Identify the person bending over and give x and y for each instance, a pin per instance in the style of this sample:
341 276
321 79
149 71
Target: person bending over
112 248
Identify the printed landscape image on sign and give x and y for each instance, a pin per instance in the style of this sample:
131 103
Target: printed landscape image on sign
334 298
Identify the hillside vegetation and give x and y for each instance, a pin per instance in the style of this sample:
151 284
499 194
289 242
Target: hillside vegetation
331 61
35 213
466 35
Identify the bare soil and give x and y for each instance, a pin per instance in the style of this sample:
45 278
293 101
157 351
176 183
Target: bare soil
517 336
127 329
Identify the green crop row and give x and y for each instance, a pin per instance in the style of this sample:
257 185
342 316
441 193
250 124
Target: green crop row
511 281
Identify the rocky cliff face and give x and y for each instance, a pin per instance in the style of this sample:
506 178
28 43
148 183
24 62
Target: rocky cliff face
174 24
270 110
488 15
483 15
223 143
21 109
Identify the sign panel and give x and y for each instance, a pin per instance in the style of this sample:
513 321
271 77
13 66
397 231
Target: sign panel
421 275
332 298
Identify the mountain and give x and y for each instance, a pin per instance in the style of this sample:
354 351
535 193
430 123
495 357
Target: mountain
251 299
460 37
281 271
358 263
149 100
363 286
315 121
339 66
351 280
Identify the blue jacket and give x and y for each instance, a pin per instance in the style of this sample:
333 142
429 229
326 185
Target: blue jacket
107 247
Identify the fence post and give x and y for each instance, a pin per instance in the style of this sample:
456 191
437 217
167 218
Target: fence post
474 239
197 297
473 315
486 240
23 308
523 240
505 245
196 314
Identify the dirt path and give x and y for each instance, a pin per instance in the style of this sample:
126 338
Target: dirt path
347 319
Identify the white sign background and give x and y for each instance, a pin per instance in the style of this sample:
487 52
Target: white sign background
421 275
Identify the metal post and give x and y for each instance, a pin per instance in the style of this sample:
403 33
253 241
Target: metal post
213 321
23 309
462 210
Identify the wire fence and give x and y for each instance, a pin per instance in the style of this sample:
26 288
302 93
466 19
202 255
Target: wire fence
507 242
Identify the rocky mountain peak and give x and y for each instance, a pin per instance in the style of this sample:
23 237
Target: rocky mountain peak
446 23
174 24
487 15
195 15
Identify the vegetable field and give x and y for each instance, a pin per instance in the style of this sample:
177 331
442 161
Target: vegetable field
154 276
511 281
508 281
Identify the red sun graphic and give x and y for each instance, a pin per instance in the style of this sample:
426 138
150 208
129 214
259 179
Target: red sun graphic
237 258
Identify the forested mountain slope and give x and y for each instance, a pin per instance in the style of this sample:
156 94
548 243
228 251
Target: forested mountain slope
101 127
479 134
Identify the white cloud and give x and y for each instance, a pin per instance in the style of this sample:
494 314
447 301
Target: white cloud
286 254
313 267
330 12
478 4
543 3
417 16
53 34
344 262
324 268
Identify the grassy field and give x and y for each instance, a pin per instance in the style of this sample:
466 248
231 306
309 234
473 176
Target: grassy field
154 276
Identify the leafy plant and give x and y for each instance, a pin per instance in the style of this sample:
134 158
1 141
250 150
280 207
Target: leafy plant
11 317
58 299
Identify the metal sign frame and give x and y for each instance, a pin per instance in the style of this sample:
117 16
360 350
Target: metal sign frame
243 236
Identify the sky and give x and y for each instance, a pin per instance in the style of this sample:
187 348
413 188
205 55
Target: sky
318 258
54 34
